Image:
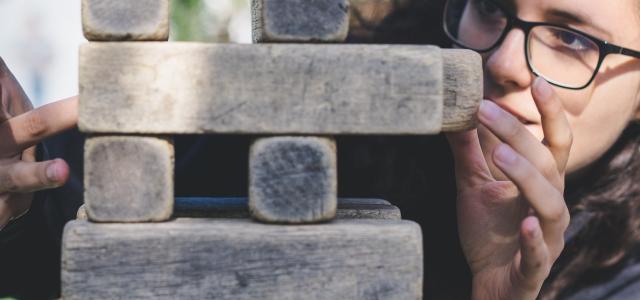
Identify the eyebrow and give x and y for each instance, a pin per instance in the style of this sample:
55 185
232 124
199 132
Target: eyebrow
578 19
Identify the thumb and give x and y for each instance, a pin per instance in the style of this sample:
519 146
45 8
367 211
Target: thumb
471 166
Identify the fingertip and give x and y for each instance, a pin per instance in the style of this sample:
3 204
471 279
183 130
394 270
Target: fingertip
531 227
542 89
57 171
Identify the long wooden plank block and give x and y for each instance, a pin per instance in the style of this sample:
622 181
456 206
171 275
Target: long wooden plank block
238 208
348 208
190 88
241 259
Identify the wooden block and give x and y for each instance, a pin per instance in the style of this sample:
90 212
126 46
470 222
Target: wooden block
300 21
348 208
460 113
81 214
128 179
293 180
125 20
189 88
241 259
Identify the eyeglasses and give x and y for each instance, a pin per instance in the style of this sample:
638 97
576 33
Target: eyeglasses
563 56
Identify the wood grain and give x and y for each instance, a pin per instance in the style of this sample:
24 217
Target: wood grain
293 180
241 259
190 88
125 20
128 179
299 21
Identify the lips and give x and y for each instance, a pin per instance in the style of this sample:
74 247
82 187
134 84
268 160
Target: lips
524 120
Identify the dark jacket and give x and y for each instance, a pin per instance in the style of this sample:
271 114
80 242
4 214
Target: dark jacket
403 170
414 173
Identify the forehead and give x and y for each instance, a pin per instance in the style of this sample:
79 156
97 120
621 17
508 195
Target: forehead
620 18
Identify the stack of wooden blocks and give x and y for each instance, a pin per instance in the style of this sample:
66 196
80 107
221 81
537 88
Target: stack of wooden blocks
297 87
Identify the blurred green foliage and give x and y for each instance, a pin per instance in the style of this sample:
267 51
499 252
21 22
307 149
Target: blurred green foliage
186 20
194 20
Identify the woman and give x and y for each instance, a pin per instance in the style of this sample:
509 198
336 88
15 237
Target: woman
561 83
511 233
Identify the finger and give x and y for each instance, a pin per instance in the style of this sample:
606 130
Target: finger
534 260
547 202
511 131
471 166
30 128
558 135
29 154
25 177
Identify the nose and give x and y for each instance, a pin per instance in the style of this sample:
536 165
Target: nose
507 65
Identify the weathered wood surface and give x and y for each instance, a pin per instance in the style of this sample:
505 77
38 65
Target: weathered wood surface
125 20
186 88
364 209
348 208
128 179
459 87
299 21
293 180
241 259
238 208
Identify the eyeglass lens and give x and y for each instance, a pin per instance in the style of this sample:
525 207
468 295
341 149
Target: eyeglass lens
559 55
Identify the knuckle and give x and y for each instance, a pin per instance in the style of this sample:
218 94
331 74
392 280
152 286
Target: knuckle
558 214
36 125
512 130
9 180
564 140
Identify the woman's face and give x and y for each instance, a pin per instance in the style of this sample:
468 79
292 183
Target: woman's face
599 113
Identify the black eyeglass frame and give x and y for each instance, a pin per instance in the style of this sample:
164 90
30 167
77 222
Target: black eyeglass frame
605 48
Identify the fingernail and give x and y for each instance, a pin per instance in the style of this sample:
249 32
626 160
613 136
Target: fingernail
534 231
489 111
52 172
505 154
543 88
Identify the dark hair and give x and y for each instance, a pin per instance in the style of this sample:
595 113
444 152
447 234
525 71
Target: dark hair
605 207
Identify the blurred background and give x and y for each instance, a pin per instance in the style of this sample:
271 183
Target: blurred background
39 39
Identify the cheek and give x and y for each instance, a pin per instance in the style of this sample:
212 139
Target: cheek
598 122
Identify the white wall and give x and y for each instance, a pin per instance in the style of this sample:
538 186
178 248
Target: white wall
42 37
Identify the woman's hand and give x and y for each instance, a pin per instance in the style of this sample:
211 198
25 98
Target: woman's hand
513 231
20 129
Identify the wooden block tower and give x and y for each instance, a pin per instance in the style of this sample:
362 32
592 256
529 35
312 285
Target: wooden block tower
297 87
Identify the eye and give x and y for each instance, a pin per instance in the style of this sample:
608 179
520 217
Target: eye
487 8
572 40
